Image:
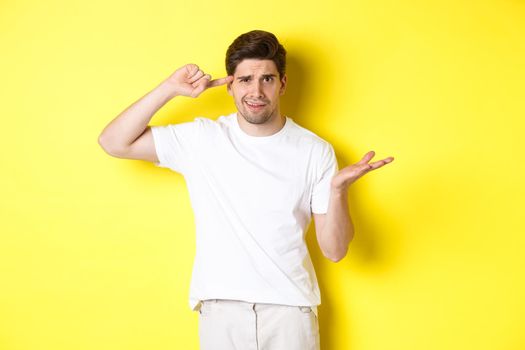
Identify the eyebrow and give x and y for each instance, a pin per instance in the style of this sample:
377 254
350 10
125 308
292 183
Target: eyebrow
249 76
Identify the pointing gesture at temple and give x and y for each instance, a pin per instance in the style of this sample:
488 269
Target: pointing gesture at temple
189 80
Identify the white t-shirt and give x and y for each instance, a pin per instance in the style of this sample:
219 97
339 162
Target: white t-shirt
252 198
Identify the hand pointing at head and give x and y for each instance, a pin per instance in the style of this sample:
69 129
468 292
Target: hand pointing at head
189 80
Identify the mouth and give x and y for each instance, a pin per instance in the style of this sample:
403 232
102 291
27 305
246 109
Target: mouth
255 106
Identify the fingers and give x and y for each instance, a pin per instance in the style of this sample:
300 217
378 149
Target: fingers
203 80
221 81
380 163
196 76
200 85
190 70
366 157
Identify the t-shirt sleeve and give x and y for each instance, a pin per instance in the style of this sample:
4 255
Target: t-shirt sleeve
327 168
174 144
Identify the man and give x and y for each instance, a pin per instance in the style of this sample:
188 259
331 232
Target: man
255 178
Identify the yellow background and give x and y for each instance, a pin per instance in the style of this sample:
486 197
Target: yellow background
96 252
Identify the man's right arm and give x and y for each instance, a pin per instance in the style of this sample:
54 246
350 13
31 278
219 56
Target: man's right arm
129 136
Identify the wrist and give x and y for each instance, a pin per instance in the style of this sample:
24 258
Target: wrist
339 192
168 89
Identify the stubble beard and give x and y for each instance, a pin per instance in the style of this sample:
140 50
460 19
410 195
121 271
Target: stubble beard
254 118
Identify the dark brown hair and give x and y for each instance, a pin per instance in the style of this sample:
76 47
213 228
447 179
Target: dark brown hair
257 44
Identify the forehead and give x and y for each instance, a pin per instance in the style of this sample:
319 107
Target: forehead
256 66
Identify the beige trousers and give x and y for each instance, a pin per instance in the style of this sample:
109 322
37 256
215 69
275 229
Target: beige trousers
239 325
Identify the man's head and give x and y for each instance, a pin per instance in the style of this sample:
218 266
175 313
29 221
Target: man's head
257 61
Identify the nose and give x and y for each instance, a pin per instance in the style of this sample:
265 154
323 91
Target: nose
257 89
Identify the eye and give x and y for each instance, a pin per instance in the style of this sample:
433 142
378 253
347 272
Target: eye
269 78
244 80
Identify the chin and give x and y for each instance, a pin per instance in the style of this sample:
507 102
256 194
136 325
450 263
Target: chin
256 119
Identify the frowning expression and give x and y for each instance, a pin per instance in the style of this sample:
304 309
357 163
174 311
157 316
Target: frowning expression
256 89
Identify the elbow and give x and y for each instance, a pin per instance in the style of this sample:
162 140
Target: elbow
105 145
102 142
108 147
336 257
336 253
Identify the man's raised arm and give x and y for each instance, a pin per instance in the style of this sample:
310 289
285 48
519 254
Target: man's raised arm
128 135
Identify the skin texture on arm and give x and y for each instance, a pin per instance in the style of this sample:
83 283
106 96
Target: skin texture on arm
335 229
128 135
130 125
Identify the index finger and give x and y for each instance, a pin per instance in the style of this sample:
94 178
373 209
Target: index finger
221 81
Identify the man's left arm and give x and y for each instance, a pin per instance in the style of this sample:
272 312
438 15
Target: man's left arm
335 229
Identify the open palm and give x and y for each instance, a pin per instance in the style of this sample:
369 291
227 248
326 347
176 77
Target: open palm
351 173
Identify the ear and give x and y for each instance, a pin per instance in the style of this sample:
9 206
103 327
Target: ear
284 79
229 89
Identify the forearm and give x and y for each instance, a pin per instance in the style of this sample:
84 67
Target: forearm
131 123
338 229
